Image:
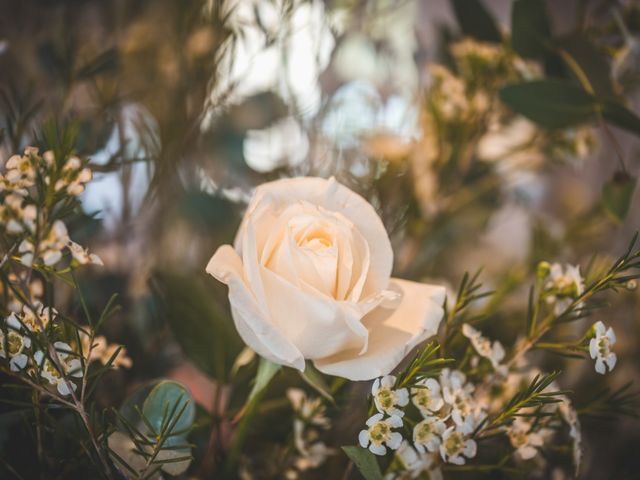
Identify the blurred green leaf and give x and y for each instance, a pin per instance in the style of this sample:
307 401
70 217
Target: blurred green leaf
620 116
591 60
530 29
550 103
266 371
315 379
207 211
106 61
165 397
205 332
617 194
365 462
475 21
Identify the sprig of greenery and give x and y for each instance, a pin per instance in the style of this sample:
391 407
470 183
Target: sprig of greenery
608 403
424 365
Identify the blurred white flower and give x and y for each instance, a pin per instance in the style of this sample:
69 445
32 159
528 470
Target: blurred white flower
456 392
570 416
282 144
415 465
32 319
102 351
49 249
380 434
600 348
523 439
564 285
494 352
386 398
82 255
426 396
455 446
426 434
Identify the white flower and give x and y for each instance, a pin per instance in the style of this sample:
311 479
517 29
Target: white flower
82 255
309 410
600 348
2 349
31 319
564 285
50 248
102 351
16 344
457 394
426 434
455 446
386 398
71 364
415 464
314 248
427 397
493 352
570 416
523 439
380 433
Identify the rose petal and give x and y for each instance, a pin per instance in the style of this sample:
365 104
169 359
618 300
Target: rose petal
252 322
318 326
392 333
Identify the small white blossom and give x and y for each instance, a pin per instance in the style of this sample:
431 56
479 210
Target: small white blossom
570 416
16 344
426 434
380 434
386 398
50 248
455 446
600 348
72 367
82 255
564 284
427 396
34 319
523 439
494 352
415 465
456 393
102 351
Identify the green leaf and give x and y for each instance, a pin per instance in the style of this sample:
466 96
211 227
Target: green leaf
475 21
167 397
591 60
550 103
203 329
266 371
620 116
365 462
530 29
315 379
617 194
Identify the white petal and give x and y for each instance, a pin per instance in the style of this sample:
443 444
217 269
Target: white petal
600 328
363 438
375 386
527 452
388 381
374 419
393 333
611 360
394 421
378 449
252 323
402 397
612 336
593 348
395 439
600 368
470 448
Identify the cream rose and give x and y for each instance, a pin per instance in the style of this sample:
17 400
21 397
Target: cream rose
310 278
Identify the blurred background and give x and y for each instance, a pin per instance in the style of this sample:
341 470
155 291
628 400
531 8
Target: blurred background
184 107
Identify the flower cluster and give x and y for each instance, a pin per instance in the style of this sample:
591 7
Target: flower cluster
30 180
562 285
310 419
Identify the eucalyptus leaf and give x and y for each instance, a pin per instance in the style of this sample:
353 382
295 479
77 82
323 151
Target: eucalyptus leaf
550 103
170 396
620 116
475 20
365 462
617 194
530 28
